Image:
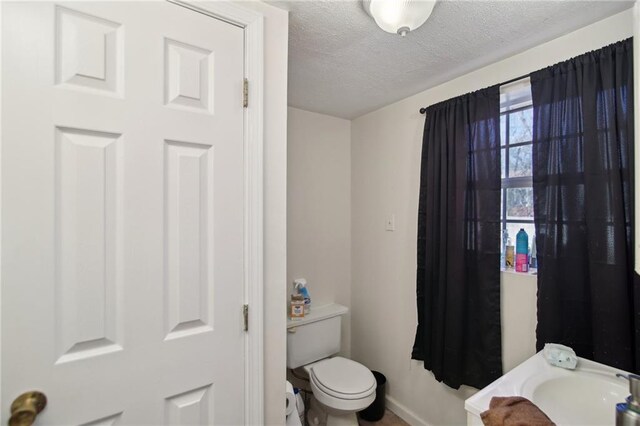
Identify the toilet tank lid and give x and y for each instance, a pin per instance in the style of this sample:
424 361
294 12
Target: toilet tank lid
319 313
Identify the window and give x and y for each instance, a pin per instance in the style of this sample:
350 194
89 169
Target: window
516 134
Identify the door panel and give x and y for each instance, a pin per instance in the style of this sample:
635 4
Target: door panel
122 213
87 198
188 242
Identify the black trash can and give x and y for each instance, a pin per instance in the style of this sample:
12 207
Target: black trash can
375 411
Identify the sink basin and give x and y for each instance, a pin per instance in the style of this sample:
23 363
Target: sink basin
588 398
585 396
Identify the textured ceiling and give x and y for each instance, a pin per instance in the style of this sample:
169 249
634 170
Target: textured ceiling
342 64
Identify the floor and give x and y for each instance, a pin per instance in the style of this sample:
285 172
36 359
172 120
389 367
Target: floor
389 419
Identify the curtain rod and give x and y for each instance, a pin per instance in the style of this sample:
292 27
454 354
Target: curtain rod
423 109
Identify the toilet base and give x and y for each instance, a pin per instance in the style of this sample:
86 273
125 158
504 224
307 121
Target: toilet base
350 419
320 415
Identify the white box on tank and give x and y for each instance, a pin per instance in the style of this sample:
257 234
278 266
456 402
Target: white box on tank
314 337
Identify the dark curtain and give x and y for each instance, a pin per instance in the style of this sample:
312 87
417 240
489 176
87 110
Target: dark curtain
458 273
583 204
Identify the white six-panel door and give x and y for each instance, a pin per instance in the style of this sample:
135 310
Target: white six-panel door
122 213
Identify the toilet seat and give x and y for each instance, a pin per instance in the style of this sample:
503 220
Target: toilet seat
318 387
342 387
343 378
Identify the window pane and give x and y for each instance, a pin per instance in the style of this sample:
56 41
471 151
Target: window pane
520 126
513 228
503 129
520 161
502 163
520 203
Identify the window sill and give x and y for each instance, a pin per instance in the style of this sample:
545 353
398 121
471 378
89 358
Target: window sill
532 272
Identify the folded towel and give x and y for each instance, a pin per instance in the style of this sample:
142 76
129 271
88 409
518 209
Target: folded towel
514 411
560 356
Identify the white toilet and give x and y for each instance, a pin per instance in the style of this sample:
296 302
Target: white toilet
341 386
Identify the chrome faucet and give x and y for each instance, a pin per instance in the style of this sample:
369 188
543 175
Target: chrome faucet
628 413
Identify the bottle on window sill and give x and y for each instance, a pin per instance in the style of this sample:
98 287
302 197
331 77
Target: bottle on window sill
533 260
503 248
510 256
522 251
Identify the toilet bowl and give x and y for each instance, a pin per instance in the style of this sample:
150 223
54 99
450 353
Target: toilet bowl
342 387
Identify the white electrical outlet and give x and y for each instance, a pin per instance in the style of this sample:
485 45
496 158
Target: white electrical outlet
391 223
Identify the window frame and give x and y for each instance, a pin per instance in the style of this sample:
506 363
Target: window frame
508 182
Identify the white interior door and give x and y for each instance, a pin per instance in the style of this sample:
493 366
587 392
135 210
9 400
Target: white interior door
122 213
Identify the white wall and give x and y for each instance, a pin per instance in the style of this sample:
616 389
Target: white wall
319 208
518 314
276 34
386 147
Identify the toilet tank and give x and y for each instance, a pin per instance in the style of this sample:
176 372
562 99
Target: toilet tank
314 337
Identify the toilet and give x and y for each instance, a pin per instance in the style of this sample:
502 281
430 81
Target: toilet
341 386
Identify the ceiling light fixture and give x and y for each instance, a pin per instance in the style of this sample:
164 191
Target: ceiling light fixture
399 16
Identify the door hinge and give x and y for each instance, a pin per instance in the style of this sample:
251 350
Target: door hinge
245 315
245 93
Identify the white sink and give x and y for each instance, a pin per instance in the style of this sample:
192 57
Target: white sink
585 396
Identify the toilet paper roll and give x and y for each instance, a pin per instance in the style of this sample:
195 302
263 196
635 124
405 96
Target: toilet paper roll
293 419
291 399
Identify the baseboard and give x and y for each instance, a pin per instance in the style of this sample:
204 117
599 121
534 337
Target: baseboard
404 413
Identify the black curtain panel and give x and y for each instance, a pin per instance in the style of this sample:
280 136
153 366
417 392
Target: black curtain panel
583 205
458 271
